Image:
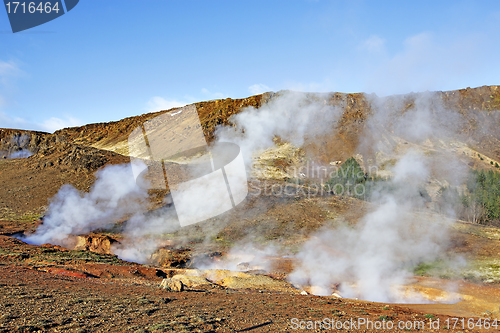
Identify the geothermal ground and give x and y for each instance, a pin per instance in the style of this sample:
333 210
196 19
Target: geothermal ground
55 289
72 259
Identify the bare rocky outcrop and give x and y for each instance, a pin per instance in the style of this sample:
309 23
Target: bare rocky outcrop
192 281
258 282
172 285
95 243
19 143
167 257
475 104
51 150
114 135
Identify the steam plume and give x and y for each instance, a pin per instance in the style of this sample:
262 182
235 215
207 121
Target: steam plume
113 196
372 258
368 259
294 117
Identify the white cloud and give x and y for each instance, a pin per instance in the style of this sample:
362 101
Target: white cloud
9 69
53 124
158 103
258 89
374 44
9 122
325 86
49 125
424 61
212 95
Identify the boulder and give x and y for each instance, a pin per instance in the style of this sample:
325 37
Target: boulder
166 257
192 281
258 282
216 275
95 243
172 285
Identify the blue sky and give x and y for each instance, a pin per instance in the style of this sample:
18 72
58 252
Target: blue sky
110 59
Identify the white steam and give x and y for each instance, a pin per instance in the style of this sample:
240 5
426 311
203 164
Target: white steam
243 257
372 258
18 147
23 153
294 117
114 196
368 259
143 234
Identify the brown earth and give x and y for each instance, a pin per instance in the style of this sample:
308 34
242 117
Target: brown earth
52 288
72 155
76 304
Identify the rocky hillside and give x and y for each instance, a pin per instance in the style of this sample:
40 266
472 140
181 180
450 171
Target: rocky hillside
14 141
72 155
113 135
478 105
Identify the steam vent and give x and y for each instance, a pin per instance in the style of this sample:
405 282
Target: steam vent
328 201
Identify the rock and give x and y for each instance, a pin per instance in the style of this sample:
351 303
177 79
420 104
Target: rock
95 243
243 266
303 292
172 285
216 275
166 257
258 282
191 281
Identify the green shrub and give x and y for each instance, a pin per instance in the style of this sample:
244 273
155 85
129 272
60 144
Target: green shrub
348 180
481 201
351 180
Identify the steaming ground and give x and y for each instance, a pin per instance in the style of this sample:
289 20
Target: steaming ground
23 153
114 197
18 147
294 117
368 260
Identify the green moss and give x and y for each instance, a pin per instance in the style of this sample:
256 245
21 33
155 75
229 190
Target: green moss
494 103
29 217
439 268
60 257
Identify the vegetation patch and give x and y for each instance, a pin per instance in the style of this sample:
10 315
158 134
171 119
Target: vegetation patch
350 180
438 268
479 202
